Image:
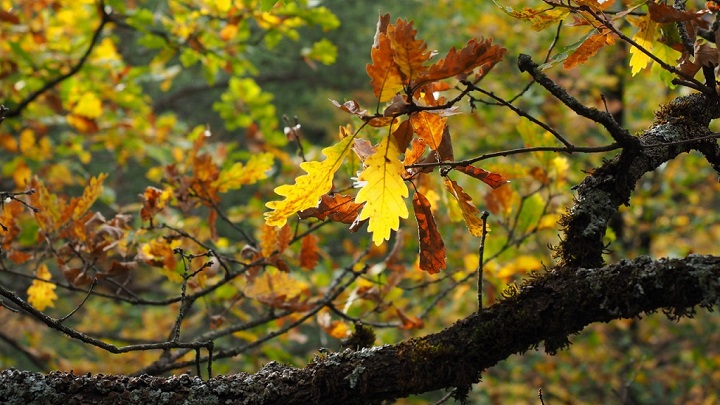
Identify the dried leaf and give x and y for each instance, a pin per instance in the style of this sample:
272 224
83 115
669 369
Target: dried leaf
470 213
493 180
153 201
474 54
429 127
432 247
663 13
385 76
409 53
403 134
338 208
309 252
589 48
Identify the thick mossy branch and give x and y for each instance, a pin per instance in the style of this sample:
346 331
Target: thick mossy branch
548 309
600 195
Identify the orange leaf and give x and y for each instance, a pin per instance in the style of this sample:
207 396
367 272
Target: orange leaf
432 248
153 201
473 55
91 193
338 208
409 322
589 48
429 127
469 211
416 151
309 252
385 76
403 134
493 180
409 53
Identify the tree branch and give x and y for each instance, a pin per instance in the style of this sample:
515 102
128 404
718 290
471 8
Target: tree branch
547 309
680 126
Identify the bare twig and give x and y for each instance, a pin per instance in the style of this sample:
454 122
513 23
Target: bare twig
481 263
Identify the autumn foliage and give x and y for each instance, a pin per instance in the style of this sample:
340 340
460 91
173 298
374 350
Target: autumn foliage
169 231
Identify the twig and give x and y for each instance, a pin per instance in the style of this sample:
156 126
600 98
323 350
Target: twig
294 130
465 162
522 114
621 135
481 264
90 290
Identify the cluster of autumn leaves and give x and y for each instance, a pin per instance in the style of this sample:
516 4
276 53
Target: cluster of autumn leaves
657 38
415 116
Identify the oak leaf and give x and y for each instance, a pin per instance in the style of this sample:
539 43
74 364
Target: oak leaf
279 289
238 175
309 252
474 54
385 76
308 188
432 247
90 194
41 294
470 213
645 38
338 208
493 180
383 191
429 127
540 17
589 48
409 53
153 201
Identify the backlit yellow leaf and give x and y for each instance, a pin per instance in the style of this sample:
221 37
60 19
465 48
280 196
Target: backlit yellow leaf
308 188
384 191
41 294
88 106
645 37
239 174
91 193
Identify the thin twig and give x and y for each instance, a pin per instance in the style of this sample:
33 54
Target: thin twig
481 263
90 290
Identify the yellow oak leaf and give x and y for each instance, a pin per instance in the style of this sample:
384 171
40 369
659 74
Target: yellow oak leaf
645 38
239 174
41 294
383 191
91 193
308 188
469 211
88 106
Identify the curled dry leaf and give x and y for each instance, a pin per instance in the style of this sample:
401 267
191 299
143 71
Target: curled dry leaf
336 207
432 247
493 180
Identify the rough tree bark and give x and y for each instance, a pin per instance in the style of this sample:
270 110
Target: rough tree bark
546 309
